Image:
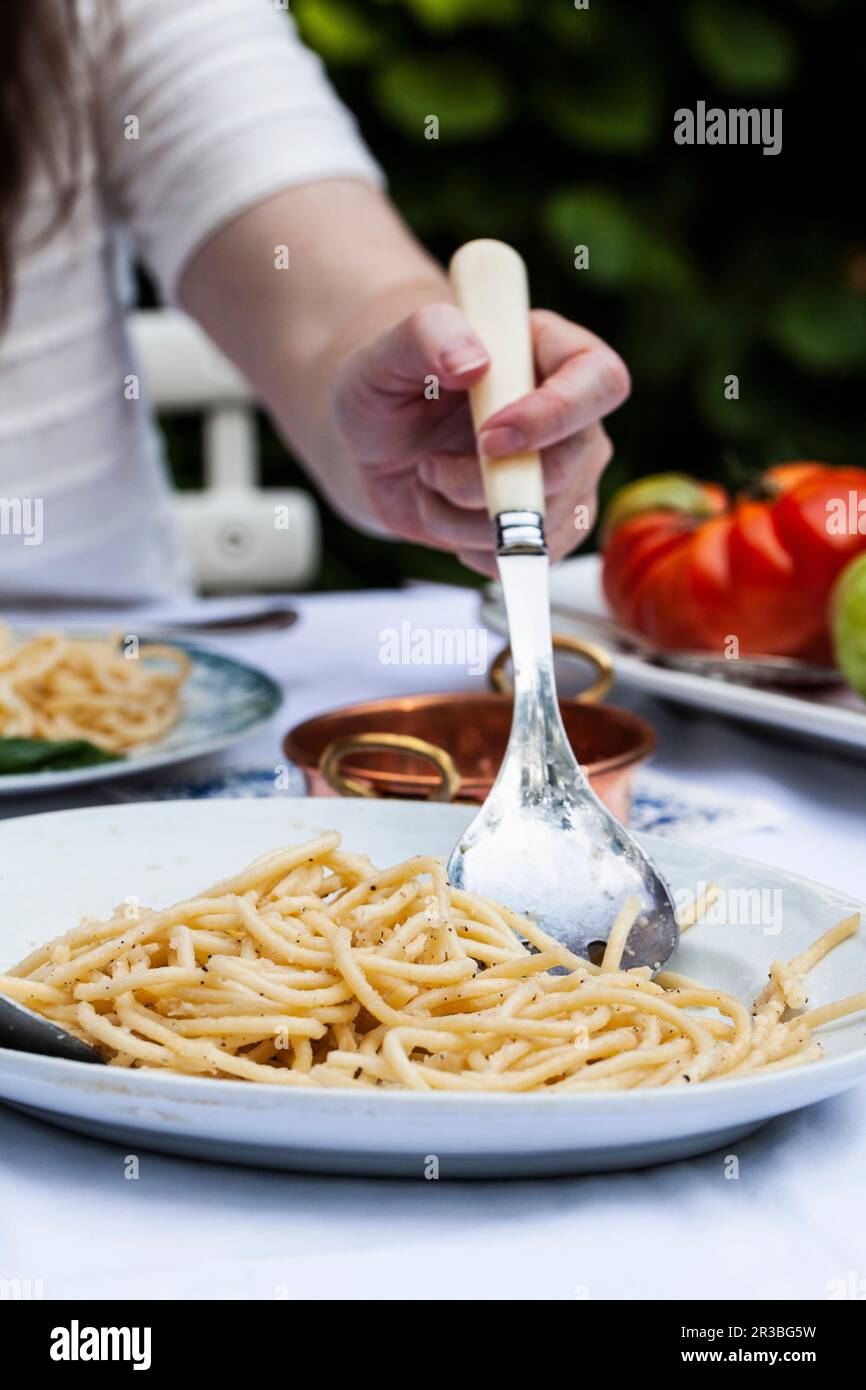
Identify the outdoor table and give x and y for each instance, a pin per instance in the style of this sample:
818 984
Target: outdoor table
792 1225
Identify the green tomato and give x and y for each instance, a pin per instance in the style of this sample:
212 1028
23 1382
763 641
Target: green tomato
848 622
674 492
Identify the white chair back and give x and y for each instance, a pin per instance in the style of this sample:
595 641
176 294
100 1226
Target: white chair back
240 535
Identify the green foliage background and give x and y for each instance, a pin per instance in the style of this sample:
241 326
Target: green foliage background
556 129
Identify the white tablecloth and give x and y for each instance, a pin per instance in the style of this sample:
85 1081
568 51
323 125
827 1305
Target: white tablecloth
793 1225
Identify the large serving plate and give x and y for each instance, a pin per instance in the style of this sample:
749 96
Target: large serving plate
836 714
222 702
55 867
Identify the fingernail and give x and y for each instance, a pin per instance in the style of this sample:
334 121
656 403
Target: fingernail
468 357
504 439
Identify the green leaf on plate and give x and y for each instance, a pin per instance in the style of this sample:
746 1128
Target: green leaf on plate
467 95
741 48
20 755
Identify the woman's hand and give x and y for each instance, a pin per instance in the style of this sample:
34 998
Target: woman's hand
402 409
380 413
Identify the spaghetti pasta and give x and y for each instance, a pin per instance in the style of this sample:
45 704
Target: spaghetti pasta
312 967
54 688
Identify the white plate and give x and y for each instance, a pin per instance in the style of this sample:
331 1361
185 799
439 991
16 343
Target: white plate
838 714
223 701
55 867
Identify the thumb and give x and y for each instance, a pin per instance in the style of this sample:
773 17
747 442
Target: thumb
436 340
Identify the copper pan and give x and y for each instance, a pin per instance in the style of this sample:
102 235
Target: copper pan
448 747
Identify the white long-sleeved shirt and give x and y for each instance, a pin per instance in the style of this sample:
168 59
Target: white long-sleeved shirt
204 108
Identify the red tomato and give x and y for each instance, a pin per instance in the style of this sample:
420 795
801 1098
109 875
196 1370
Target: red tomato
658 602
822 522
759 571
717 499
635 545
706 586
778 616
784 476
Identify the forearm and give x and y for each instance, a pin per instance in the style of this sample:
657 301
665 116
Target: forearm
353 272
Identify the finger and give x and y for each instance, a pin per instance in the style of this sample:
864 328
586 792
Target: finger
561 510
566 532
588 381
555 339
436 340
456 527
482 561
455 476
458 521
568 524
573 527
580 460
576 463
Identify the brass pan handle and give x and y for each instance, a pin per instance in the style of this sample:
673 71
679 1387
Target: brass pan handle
595 655
340 748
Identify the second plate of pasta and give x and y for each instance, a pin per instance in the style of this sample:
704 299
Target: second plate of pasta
82 709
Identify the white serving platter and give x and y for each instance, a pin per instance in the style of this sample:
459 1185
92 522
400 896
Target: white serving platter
837 715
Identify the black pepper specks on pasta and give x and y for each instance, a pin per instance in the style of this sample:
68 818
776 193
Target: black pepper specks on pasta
543 986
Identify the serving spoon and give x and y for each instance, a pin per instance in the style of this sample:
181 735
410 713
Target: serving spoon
26 1031
542 841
